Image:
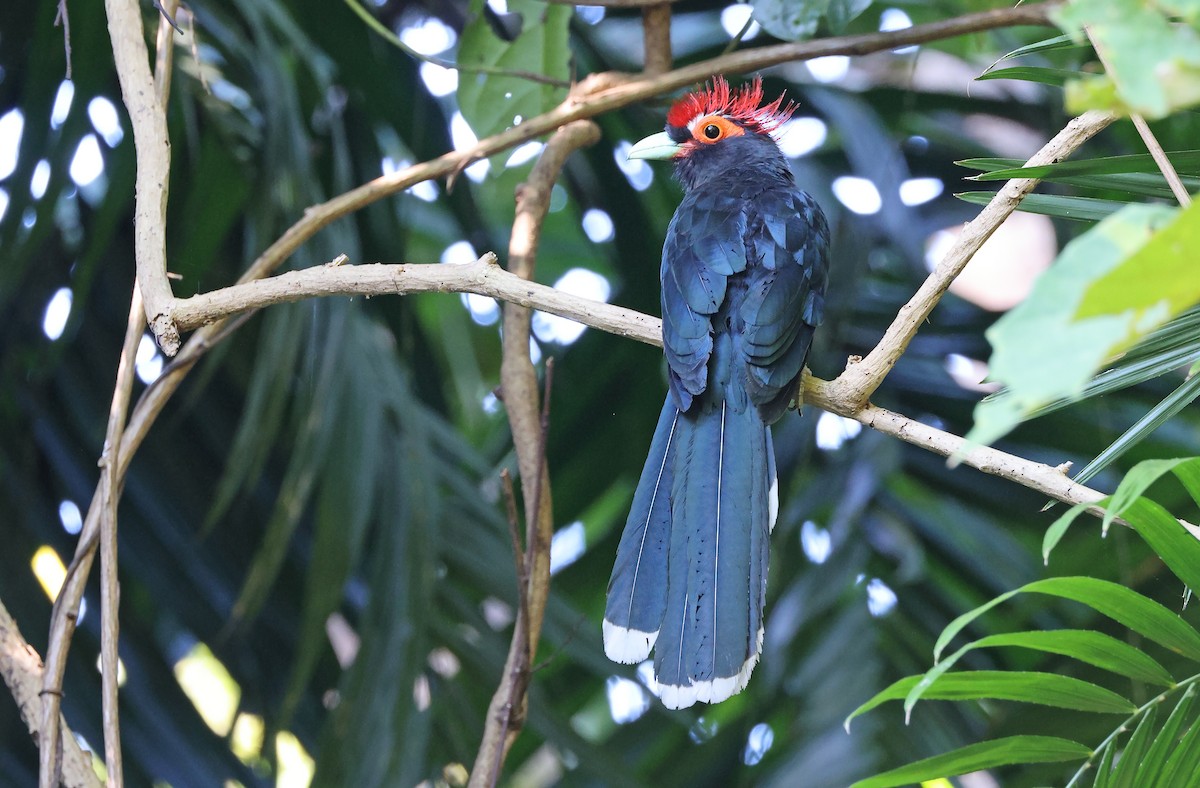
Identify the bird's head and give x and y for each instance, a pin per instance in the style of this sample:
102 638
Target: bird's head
720 132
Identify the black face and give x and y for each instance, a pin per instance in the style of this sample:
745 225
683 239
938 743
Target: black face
735 161
678 134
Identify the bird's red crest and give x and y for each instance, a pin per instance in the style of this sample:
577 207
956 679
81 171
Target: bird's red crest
740 105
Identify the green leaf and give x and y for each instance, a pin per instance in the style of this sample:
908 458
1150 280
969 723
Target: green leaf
1160 275
1131 758
1174 402
984 755
843 12
999 169
1123 605
1058 529
1046 689
490 102
1063 41
1155 761
1080 209
1044 76
1153 64
1162 352
1094 648
1138 480
1104 770
1176 546
789 20
1184 760
1050 345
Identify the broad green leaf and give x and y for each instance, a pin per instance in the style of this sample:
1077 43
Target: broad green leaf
1174 402
1094 648
1046 689
1164 743
1042 75
1123 605
843 12
1162 352
1080 209
999 169
1153 63
789 21
1048 347
985 755
1160 275
491 102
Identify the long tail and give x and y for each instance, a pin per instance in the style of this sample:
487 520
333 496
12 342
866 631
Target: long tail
637 592
691 571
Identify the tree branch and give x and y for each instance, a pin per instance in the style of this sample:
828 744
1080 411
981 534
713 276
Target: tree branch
101 524
22 671
656 39
863 376
485 277
519 390
595 95
148 117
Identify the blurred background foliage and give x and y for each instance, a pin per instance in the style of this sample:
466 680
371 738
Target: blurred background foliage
317 578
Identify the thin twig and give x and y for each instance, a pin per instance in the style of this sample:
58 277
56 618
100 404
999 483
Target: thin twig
394 40
1156 150
64 18
737 39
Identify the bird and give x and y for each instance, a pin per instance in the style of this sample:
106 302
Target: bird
744 270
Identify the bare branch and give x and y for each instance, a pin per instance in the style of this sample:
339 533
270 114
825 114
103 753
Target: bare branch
519 386
149 121
22 672
101 524
862 376
484 277
656 39
595 95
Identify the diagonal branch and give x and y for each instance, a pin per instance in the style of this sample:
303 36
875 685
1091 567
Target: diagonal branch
22 672
863 376
1143 129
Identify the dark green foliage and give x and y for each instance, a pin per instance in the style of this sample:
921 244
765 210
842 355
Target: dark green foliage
333 456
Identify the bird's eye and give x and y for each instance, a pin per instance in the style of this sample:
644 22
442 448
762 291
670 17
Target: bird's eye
712 131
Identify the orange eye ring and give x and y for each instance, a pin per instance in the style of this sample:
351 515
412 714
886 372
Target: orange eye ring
714 128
